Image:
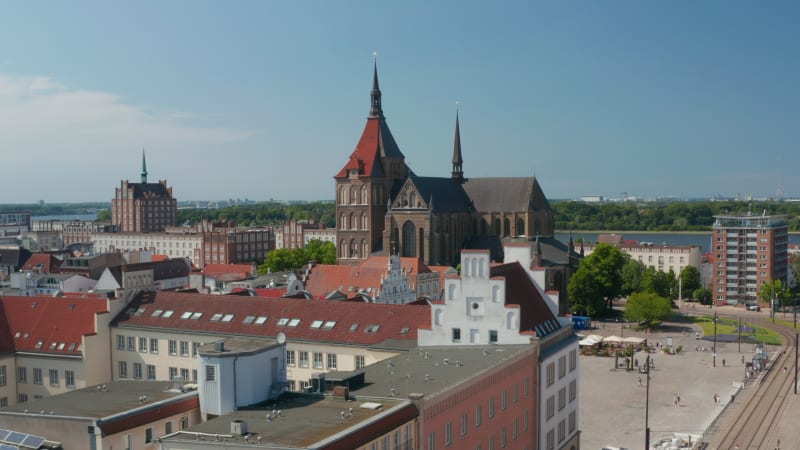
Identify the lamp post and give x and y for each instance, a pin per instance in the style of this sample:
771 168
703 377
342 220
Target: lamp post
647 405
714 350
740 333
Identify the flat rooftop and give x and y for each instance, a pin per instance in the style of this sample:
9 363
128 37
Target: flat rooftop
303 421
428 370
118 397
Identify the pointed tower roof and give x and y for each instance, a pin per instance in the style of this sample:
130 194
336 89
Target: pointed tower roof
458 172
376 142
144 168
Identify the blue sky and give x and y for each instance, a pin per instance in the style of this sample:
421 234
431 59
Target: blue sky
264 99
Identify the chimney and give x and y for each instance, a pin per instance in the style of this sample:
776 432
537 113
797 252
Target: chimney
239 427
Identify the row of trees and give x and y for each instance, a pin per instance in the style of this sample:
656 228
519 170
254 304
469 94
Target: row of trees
286 259
265 213
661 216
608 273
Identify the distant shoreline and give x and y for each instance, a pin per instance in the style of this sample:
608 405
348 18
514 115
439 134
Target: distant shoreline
642 232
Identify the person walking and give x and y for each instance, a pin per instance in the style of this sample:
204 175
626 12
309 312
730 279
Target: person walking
640 381
723 362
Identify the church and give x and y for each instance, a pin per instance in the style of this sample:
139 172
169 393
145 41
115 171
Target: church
383 207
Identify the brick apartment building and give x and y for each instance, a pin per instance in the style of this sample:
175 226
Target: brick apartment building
143 207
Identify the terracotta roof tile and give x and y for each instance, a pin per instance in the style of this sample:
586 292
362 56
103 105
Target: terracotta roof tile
336 322
51 324
324 278
49 263
223 269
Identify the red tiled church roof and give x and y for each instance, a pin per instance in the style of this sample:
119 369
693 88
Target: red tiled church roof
51 324
350 323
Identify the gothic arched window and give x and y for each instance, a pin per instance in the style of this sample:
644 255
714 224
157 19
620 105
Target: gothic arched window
409 240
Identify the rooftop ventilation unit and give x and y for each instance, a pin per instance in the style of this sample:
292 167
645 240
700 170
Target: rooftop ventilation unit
239 427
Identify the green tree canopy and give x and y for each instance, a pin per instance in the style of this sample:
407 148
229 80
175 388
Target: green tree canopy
702 295
659 282
598 280
648 309
286 259
321 252
104 215
774 289
690 281
632 276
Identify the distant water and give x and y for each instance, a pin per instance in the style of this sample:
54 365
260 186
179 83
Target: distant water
701 239
66 217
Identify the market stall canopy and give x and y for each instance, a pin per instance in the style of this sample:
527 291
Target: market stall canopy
613 339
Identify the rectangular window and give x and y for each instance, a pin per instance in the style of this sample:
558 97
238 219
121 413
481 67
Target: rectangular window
526 385
173 372
317 360
131 343
478 416
562 431
194 375
504 399
173 347
456 334
22 375
491 408
464 424
37 376
69 378
360 362
122 369
571 420
211 374
573 360
143 345
148 436
151 372
551 406
491 442
22 398
331 361
551 440
3 402
168 427
120 342
573 390
153 345
525 421
562 367
195 346
185 374
137 371
551 374
493 336
303 359
290 358
184 348
448 434
53 377
503 438
432 441
562 398
516 393
3 379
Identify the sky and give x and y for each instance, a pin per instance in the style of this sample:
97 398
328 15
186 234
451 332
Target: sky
267 99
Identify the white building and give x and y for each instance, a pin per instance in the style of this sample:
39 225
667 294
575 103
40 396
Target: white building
660 257
173 245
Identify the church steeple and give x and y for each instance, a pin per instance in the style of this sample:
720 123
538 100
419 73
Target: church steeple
458 172
144 168
375 110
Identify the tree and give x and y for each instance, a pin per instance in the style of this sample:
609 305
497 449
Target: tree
598 280
659 282
632 276
321 252
648 309
777 290
279 260
702 295
690 281
104 215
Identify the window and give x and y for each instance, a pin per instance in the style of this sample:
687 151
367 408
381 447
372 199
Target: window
137 371
551 374
53 377
290 358
151 372
148 436
332 361
525 386
562 431
493 336
211 374
551 441
562 367
448 434
120 342
562 398
515 428
194 375
185 374
184 348
360 362
573 388
22 375
503 440
456 334
551 406
516 393
173 347
478 416
168 427
504 399
173 372
491 408
303 359
317 360
3 380
37 376
464 424
432 441
525 421
491 442
22 398
131 343
153 345
69 378
195 347
3 402
571 420
143 345
573 360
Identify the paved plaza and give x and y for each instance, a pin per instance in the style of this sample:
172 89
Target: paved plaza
612 409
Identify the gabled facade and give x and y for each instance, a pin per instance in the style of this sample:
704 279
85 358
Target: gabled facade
143 207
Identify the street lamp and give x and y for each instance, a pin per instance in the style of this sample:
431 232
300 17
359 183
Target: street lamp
714 350
647 405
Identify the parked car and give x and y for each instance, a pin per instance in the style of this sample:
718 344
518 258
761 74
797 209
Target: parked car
754 308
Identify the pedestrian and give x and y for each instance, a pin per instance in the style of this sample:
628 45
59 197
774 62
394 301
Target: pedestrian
640 381
785 369
742 359
678 401
733 397
723 362
716 398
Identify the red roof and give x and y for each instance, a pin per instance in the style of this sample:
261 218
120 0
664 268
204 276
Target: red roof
521 291
45 262
324 278
334 322
270 292
243 270
365 158
51 324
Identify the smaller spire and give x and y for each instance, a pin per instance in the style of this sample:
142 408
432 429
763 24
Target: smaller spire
144 167
571 243
458 172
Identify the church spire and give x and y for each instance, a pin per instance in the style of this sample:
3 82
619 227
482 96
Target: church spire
375 110
144 168
458 173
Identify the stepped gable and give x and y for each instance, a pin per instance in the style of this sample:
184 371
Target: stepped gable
506 194
350 323
521 291
52 325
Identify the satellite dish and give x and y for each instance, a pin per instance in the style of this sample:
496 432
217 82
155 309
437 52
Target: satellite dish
281 338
